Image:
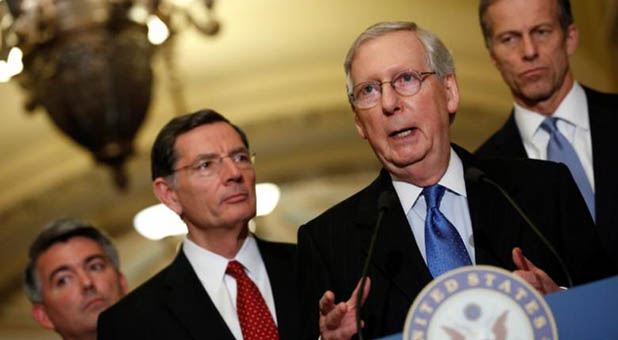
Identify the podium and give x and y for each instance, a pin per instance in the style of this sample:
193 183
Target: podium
588 311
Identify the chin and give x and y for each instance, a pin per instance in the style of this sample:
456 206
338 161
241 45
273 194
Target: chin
409 157
537 92
242 215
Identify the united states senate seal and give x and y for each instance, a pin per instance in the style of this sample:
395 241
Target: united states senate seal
479 303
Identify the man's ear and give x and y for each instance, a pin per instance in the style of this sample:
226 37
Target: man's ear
39 314
571 39
124 286
166 193
492 57
359 126
452 93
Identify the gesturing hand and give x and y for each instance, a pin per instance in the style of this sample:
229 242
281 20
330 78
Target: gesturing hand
338 322
536 277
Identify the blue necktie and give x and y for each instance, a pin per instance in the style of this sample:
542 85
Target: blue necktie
560 150
444 247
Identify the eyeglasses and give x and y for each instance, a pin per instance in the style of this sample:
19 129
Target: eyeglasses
211 165
407 83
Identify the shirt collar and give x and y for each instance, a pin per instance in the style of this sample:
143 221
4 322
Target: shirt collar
570 110
210 267
572 107
453 180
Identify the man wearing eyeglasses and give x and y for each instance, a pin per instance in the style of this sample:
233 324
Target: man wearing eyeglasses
225 283
403 91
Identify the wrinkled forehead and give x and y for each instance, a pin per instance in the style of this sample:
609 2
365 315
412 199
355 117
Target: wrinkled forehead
68 253
215 138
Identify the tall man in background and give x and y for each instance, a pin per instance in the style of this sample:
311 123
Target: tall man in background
225 283
554 117
72 276
403 90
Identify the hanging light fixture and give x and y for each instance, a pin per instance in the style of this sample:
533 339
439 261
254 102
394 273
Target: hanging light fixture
88 63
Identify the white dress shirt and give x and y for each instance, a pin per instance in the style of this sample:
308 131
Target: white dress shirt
574 124
221 287
454 205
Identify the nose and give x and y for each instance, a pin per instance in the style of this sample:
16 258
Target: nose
529 48
230 171
389 99
85 280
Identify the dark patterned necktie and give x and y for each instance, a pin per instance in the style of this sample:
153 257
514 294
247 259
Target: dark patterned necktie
444 247
256 322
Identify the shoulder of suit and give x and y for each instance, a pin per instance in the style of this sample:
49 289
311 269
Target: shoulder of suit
347 209
144 294
492 146
521 169
599 95
280 248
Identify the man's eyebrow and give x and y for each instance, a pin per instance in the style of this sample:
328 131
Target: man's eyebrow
213 155
203 156
96 257
61 268
238 150
66 267
210 155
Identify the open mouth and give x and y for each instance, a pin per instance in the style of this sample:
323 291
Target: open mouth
402 133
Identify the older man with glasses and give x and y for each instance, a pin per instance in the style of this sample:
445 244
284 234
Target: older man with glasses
403 91
225 283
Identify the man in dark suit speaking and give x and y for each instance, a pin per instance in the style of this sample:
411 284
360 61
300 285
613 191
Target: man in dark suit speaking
225 283
403 91
554 117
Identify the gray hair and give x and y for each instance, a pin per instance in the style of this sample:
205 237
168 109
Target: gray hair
437 56
565 17
61 231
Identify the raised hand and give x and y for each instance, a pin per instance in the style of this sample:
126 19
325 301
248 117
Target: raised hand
536 277
338 321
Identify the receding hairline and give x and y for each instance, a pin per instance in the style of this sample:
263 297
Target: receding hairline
377 31
386 34
562 11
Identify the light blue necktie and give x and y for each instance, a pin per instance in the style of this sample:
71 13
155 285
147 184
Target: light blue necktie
560 150
444 247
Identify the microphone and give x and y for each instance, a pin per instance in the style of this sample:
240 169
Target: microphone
476 175
384 201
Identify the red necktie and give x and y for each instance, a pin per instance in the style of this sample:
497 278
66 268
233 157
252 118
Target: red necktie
256 323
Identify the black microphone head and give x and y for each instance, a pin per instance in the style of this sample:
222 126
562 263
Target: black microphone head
475 175
385 199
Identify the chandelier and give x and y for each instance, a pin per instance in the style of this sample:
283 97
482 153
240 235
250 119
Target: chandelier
88 63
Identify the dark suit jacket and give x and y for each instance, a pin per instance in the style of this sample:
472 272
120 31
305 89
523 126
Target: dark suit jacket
603 115
174 305
333 247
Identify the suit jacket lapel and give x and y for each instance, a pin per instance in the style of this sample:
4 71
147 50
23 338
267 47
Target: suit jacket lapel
190 303
282 281
396 255
487 211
